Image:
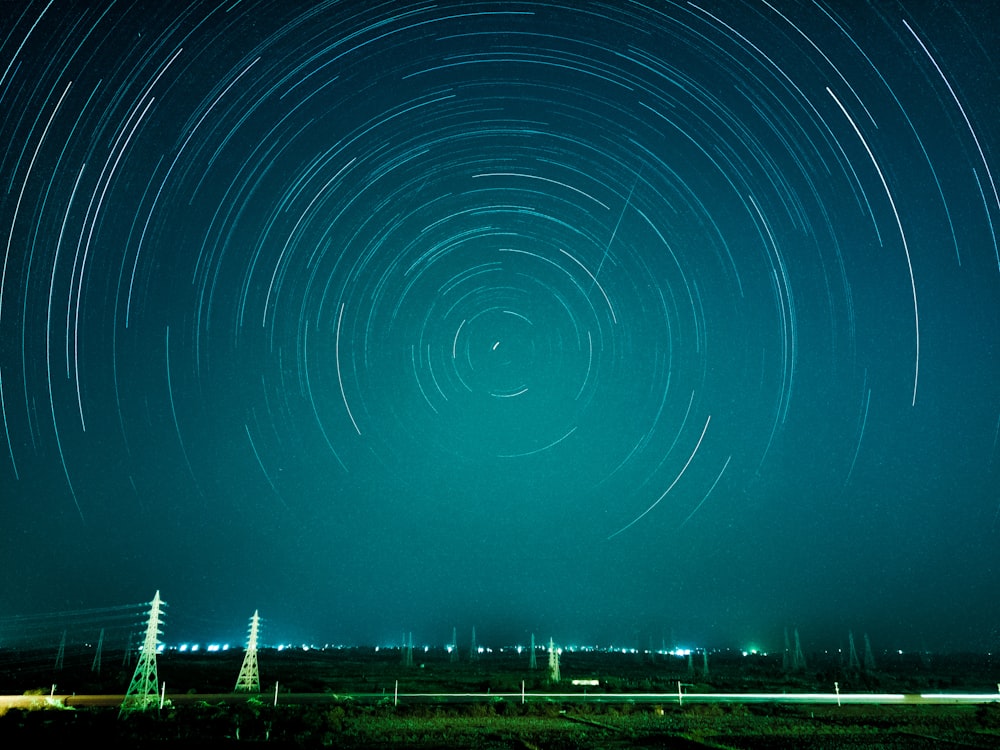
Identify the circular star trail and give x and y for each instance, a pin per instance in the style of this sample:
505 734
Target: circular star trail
523 274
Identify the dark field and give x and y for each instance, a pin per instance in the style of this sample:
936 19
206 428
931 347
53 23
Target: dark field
195 714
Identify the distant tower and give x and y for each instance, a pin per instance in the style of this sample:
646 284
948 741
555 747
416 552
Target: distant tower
96 666
690 664
142 691
532 660
799 659
454 644
473 646
704 663
408 651
249 678
869 656
553 662
786 655
61 653
127 657
852 656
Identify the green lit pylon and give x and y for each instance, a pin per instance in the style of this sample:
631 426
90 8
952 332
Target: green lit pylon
553 662
249 679
142 691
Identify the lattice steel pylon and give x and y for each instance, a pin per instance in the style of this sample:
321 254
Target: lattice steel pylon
249 679
96 665
553 662
869 656
408 651
799 658
142 691
61 653
852 653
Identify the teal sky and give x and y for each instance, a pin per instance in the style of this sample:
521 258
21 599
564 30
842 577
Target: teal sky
618 322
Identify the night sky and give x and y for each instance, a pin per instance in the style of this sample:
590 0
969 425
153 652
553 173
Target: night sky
613 322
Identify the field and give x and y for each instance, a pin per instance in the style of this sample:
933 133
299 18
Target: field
363 698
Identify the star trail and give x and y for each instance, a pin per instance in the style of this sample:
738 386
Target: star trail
609 319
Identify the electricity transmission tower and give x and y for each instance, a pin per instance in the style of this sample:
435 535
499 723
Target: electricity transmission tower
799 659
786 655
127 657
453 653
532 660
869 656
141 693
61 653
408 651
553 662
852 657
96 666
249 679
473 647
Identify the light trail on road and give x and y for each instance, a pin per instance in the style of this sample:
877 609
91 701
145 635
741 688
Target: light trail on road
909 699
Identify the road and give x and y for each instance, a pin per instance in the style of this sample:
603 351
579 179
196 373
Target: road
71 701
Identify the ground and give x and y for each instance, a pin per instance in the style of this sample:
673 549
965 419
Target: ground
195 715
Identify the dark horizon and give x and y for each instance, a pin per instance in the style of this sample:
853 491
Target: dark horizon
123 627
619 322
